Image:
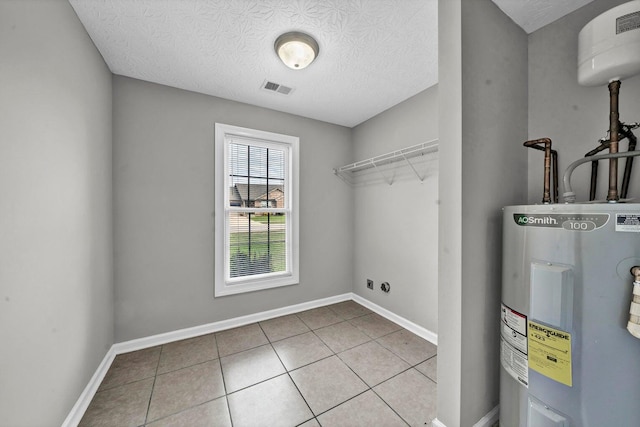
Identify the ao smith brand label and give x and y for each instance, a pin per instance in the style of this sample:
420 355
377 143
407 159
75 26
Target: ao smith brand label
568 221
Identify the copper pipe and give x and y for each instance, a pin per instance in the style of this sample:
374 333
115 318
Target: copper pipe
536 143
624 132
614 90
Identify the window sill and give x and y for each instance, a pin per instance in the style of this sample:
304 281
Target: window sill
223 288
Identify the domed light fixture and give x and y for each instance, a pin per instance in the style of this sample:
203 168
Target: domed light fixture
297 50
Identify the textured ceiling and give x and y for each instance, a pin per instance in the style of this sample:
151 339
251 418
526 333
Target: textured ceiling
531 15
373 53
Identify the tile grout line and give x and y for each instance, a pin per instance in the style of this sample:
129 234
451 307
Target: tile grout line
224 383
389 406
333 354
164 417
388 379
153 386
190 366
411 366
370 388
288 373
339 358
399 373
217 357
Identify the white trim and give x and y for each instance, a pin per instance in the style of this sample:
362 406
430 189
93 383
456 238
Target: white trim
78 410
224 135
181 334
428 335
84 400
490 418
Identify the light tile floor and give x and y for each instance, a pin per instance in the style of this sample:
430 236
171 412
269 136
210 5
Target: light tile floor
339 365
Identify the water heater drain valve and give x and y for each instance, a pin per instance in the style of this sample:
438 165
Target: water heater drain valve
633 325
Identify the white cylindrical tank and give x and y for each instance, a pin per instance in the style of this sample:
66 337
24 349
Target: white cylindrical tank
609 46
567 358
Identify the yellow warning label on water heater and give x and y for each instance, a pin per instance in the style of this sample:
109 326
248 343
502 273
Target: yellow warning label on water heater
550 352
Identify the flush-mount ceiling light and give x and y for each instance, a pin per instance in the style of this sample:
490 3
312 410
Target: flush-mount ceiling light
297 50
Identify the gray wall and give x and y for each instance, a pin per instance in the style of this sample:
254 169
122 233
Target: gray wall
56 288
396 226
483 93
164 199
573 116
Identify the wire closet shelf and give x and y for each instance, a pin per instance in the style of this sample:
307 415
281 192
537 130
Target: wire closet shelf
346 172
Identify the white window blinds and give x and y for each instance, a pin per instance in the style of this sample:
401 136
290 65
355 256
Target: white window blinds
258 209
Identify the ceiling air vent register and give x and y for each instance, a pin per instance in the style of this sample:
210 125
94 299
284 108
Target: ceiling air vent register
276 87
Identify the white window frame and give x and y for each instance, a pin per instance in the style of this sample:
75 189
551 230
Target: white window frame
224 284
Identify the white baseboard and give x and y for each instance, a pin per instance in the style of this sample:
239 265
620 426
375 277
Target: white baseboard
487 421
181 334
490 419
78 410
432 337
84 400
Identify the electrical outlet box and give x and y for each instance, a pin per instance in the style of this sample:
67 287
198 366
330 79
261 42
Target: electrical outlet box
370 284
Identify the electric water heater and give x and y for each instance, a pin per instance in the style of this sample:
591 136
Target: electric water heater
570 312
567 357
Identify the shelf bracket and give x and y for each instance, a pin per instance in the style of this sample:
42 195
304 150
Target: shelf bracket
421 179
388 181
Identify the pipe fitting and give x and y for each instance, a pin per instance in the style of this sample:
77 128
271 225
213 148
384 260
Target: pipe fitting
550 157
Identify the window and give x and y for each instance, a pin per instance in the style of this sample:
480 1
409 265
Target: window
256 210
